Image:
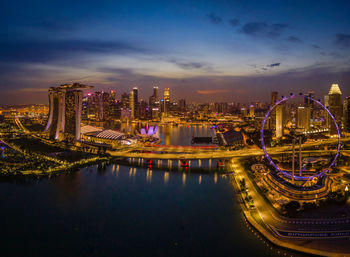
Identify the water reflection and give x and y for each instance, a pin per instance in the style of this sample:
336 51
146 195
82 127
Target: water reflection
169 134
139 218
166 177
149 175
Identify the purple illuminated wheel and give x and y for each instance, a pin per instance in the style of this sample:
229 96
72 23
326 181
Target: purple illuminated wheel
284 99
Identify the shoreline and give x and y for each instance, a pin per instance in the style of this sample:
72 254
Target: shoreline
57 170
272 239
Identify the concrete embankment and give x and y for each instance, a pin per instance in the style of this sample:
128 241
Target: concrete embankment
272 238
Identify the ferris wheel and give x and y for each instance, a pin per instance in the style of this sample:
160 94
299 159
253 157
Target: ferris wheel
286 173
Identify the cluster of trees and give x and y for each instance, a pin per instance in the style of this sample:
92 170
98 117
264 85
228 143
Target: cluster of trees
291 208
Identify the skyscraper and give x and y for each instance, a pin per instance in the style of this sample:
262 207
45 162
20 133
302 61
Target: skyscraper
112 104
182 105
65 111
154 99
136 102
280 119
271 123
166 100
124 99
303 118
132 104
155 94
335 107
347 114
274 97
101 101
309 103
251 111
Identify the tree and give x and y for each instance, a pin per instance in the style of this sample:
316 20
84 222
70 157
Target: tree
291 208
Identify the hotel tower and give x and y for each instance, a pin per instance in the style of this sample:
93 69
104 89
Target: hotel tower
65 111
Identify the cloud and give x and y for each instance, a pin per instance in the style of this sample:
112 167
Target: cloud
117 71
315 46
343 40
234 22
252 65
214 19
46 51
262 29
277 64
294 39
189 65
328 54
212 91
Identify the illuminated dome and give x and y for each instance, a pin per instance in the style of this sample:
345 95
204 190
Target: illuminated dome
335 90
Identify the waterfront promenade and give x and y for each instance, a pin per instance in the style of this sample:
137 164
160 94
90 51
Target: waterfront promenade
324 237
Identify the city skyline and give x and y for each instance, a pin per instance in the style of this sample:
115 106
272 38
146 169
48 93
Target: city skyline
213 50
175 128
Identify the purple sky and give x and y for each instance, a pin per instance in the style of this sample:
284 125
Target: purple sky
235 51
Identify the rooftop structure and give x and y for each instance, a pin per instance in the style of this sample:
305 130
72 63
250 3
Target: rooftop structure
334 90
65 111
108 134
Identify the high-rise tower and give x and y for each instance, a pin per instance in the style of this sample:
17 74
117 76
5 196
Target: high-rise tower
347 114
132 104
136 102
65 111
166 100
280 119
335 107
155 94
274 97
303 118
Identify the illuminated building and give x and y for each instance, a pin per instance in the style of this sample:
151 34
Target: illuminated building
143 109
132 104
347 114
101 101
154 99
243 112
335 107
272 118
124 100
231 138
65 111
113 104
155 94
309 103
182 105
166 100
136 102
251 111
303 118
280 119
274 97
154 104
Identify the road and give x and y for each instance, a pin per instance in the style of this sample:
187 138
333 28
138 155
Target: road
300 232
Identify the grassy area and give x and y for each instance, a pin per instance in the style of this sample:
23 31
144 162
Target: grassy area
34 145
35 127
17 162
